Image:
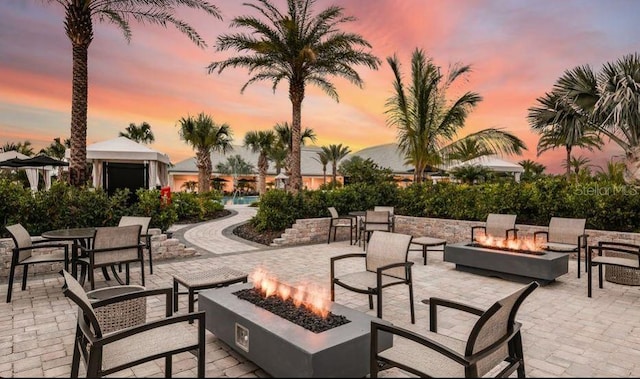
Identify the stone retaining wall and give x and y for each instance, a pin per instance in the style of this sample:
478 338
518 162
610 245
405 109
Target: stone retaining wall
314 230
161 248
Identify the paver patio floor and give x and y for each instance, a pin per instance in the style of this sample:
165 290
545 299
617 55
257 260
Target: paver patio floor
565 333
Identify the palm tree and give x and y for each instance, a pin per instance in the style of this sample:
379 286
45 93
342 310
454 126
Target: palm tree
335 153
560 125
323 159
285 137
428 124
56 149
614 172
468 149
261 142
78 24
204 135
617 111
532 169
21 147
299 47
576 164
140 133
235 166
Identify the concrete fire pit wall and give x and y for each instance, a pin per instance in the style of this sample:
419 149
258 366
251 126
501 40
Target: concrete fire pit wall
314 230
161 248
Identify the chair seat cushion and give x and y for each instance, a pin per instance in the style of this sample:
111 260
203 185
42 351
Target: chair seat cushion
343 223
55 256
555 246
148 343
625 262
425 359
366 279
429 241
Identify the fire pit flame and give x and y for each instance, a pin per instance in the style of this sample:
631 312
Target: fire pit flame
310 296
522 244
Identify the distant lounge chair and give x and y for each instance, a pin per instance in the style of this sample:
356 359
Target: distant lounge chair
338 221
497 225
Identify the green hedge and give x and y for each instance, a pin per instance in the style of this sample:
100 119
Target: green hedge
605 205
64 206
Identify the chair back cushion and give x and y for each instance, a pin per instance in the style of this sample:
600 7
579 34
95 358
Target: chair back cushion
21 239
334 213
377 220
497 322
115 237
566 230
384 208
498 224
135 220
385 248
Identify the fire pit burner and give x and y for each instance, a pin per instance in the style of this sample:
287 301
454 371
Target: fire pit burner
519 251
288 310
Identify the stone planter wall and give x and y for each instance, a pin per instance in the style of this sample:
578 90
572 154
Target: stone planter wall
161 248
314 230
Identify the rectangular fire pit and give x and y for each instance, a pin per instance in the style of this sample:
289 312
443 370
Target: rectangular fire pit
284 349
509 265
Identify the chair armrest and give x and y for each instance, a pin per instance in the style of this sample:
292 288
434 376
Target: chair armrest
127 332
619 244
433 310
473 229
344 256
535 234
422 340
33 247
407 265
514 231
87 250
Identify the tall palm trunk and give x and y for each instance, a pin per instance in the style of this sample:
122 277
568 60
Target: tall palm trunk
296 94
203 176
263 165
79 29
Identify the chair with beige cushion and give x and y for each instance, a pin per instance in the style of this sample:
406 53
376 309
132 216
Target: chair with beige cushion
565 235
391 211
144 232
373 220
338 221
622 260
497 225
111 246
22 254
386 264
106 350
494 344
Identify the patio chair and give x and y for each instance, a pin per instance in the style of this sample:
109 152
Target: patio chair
338 221
386 264
144 233
621 258
494 339
112 332
391 215
497 225
113 245
565 235
373 220
22 254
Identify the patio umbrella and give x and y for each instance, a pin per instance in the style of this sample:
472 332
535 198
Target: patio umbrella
33 163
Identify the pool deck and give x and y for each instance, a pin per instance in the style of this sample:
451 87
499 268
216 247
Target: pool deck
565 333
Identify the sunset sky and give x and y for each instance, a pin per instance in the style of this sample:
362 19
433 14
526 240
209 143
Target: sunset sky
517 50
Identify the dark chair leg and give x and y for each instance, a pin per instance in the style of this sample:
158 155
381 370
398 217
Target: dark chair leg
175 295
599 276
168 367
517 341
370 301
150 259
142 270
75 362
413 312
25 274
12 273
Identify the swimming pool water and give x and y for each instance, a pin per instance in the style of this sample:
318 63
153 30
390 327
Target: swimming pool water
240 199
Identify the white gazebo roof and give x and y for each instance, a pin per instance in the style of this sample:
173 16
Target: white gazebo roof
491 162
124 149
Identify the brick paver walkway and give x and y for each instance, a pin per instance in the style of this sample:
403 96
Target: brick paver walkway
565 334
